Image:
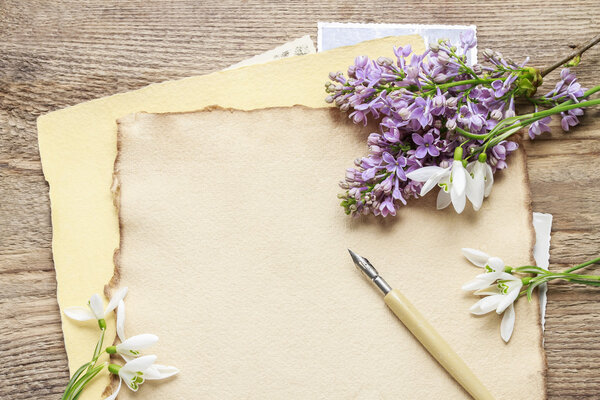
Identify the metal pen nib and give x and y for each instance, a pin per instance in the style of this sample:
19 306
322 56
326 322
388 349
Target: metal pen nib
364 266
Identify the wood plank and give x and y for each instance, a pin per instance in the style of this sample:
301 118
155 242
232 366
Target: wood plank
56 54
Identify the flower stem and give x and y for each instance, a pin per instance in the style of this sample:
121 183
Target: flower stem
577 52
585 264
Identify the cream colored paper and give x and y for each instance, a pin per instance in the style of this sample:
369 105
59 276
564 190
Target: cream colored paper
78 149
234 250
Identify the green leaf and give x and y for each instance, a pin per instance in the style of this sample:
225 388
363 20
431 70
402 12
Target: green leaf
74 378
80 385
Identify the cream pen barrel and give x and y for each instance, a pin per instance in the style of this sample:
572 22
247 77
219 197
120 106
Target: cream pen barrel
424 332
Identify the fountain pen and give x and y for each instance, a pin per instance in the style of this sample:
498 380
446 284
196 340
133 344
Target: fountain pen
424 332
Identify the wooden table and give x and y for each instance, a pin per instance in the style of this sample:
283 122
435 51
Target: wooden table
57 54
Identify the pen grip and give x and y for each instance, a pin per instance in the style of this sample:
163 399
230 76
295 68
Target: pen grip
436 345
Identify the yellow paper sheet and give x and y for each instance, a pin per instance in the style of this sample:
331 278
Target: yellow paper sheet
234 249
78 149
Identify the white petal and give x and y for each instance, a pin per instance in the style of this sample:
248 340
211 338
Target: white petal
97 306
489 290
489 180
115 299
470 166
113 396
508 299
443 200
486 305
475 284
459 178
158 371
459 202
496 264
477 257
423 174
129 377
121 320
434 179
136 343
79 313
139 364
508 323
475 189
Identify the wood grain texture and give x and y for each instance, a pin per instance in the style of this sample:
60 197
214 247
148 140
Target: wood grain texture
58 53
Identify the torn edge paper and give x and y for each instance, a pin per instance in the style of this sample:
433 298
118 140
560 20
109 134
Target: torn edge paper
297 47
542 223
336 34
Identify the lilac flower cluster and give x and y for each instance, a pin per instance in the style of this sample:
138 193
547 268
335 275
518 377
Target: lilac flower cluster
425 107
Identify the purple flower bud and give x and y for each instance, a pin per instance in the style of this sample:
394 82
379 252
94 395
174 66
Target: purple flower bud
451 124
404 113
361 61
452 102
496 114
384 61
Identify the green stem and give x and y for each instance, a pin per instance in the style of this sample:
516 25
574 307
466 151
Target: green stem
585 264
461 83
470 135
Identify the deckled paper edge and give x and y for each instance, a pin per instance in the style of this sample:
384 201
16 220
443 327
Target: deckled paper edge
116 194
542 222
533 241
297 47
417 29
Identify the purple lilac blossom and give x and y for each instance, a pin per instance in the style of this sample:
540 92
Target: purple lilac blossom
419 113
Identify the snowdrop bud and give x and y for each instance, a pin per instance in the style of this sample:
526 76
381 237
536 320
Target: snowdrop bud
329 99
384 61
452 102
496 114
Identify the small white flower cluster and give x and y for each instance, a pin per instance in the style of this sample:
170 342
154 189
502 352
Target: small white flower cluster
457 183
138 367
499 288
